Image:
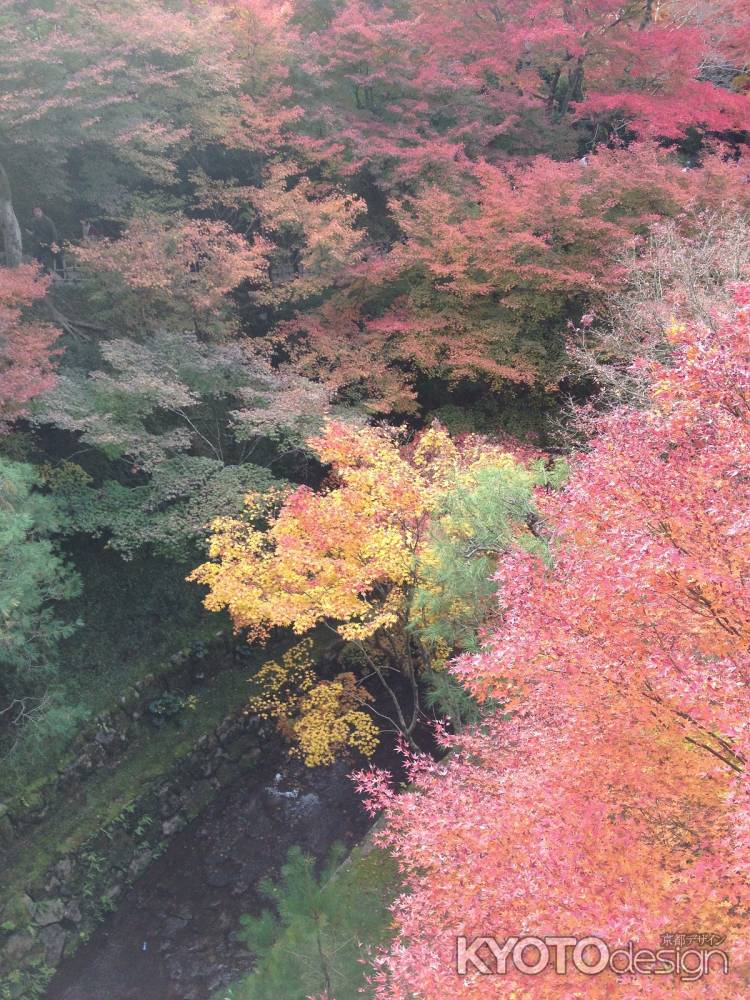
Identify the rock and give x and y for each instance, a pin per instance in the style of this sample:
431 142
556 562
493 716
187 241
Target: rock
128 701
307 805
18 945
73 912
173 925
169 804
49 911
68 776
219 877
226 730
64 869
121 721
243 747
106 738
140 863
36 890
225 774
170 827
54 939
84 764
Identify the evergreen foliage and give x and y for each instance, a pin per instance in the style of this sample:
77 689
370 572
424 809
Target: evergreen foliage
323 927
34 580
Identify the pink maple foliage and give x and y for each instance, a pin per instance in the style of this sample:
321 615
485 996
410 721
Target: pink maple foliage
27 352
611 799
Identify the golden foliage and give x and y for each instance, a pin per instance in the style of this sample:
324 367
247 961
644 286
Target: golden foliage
319 718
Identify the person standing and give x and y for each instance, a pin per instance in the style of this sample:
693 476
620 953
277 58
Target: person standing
46 244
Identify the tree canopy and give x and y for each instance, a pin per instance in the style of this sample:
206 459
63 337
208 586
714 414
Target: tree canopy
614 798
315 304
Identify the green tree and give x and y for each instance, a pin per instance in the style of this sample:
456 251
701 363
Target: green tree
33 579
478 518
184 427
321 928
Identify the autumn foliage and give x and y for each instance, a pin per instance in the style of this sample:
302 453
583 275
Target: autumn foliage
301 240
517 148
321 719
613 800
390 192
179 262
368 556
492 265
352 553
26 355
346 554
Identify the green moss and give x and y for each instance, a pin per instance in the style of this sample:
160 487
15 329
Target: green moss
111 791
136 615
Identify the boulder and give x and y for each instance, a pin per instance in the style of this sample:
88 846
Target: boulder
54 939
170 827
73 912
49 911
18 946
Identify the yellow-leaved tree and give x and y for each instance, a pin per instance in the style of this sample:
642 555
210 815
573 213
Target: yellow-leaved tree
379 555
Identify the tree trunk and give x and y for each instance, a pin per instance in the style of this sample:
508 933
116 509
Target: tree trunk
9 224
